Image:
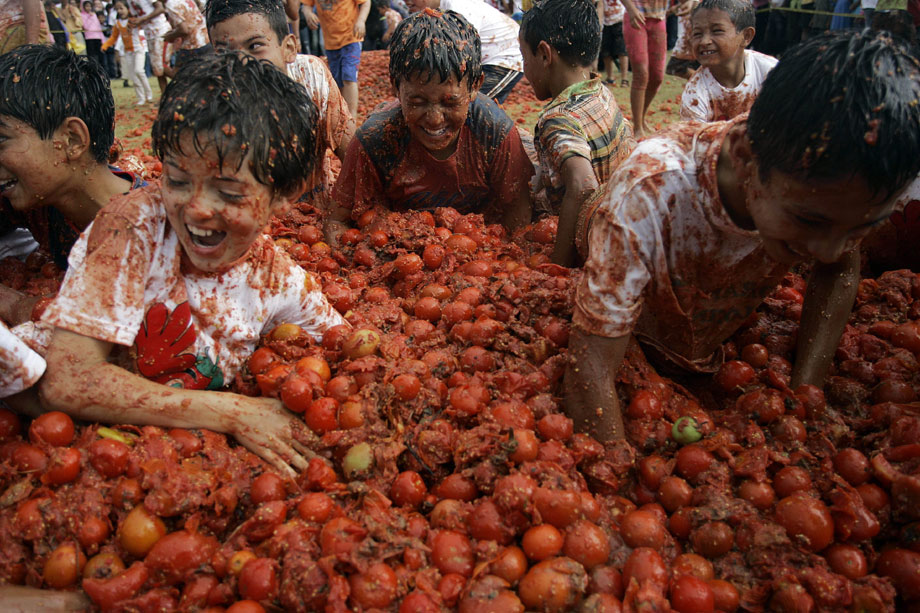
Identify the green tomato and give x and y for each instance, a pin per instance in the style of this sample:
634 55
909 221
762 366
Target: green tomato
686 430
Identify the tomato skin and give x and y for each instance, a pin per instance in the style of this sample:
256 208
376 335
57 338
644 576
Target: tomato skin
187 442
55 428
558 507
376 587
645 404
261 360
64 566
587 544
408 490
407 386
140 530
734 374
258 580
902 566
553 585
510 564
674 493
713 539
791 479
93 531
555 426
691 595
486 523
807 521
64 467
315 507
267 487
542 542
846 560
755 354
179 554
103 566
9 425
29 458
297 393
725 595
642 529
852 465
692 461
457 487
322 415
452 552
341 535
758 493
245 606
645 564
108 592
109 457
418 602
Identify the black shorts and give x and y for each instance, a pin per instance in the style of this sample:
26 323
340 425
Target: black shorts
612 42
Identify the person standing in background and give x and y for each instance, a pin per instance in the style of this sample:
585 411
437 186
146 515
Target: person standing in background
92 32
22 23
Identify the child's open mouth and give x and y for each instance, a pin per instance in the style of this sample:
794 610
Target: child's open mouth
204 237
6 186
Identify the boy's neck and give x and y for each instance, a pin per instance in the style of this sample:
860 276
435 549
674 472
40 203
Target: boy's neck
91 189
566 76
731 73
729 179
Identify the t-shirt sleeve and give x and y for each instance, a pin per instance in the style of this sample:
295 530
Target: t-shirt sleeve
608 300
299 299
562 138
102 295
694 102
510 172
20 367
359 187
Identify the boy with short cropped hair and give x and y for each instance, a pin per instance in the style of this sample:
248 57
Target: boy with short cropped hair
442 144
174 284
259 28
731 75
581 136
54 151
702 222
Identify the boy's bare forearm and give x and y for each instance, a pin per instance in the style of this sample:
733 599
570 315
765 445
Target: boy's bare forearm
31 14
580 183
590 390
519 211
828 303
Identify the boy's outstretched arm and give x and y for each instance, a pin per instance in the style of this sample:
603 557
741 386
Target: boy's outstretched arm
828 303
590 391
580 183
518 212
80 381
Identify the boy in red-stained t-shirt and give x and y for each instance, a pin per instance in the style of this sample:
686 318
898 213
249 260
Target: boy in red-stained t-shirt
442 145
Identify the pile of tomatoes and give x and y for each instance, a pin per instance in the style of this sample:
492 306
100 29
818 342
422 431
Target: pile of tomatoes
447 476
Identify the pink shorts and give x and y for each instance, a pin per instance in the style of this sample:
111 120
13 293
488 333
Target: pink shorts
647 47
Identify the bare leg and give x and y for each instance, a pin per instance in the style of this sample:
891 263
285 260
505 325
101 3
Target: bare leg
608 68
624 68
350 93
162 81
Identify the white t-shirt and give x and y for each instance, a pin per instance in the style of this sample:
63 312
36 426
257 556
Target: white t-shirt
497 31
156 27
20 367
126 285
614 11
334 121
705 99
665 260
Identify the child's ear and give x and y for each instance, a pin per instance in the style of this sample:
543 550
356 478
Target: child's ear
544 52
474 89
742 156
748 35
288 48
74 135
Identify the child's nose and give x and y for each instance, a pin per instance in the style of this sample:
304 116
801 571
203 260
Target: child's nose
830 247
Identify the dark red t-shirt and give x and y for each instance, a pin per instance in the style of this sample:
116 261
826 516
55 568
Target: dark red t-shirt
385 166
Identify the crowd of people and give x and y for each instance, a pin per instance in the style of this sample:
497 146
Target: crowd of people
680 234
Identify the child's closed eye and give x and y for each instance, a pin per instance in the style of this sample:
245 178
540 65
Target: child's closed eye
231 197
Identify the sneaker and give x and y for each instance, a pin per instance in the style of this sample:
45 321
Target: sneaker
140 103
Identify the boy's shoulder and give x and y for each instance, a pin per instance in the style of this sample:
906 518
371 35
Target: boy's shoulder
590 93
759 63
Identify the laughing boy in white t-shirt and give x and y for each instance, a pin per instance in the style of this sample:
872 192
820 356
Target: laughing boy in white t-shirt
731 75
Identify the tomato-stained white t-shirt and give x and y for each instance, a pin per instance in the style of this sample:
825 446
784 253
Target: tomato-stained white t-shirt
129 284
20 367
705 99
665 260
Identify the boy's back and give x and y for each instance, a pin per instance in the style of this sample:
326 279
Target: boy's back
705 99
583 120
700 273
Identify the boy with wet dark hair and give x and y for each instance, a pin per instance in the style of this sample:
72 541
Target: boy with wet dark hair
581 136
442 145
260 29
731 75
702 222
174 284
57 125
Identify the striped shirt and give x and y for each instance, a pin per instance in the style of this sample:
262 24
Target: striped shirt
582 120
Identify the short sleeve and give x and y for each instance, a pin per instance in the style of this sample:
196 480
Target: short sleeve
102 295
298 299
359 188
608 300
20 367
562 138
510 172
694 101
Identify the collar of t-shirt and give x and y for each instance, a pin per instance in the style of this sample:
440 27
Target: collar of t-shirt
588 86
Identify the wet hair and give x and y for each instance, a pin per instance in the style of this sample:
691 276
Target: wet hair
42 85
740 12
381 4
857 116
217 11
240 105
430 43
570 27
